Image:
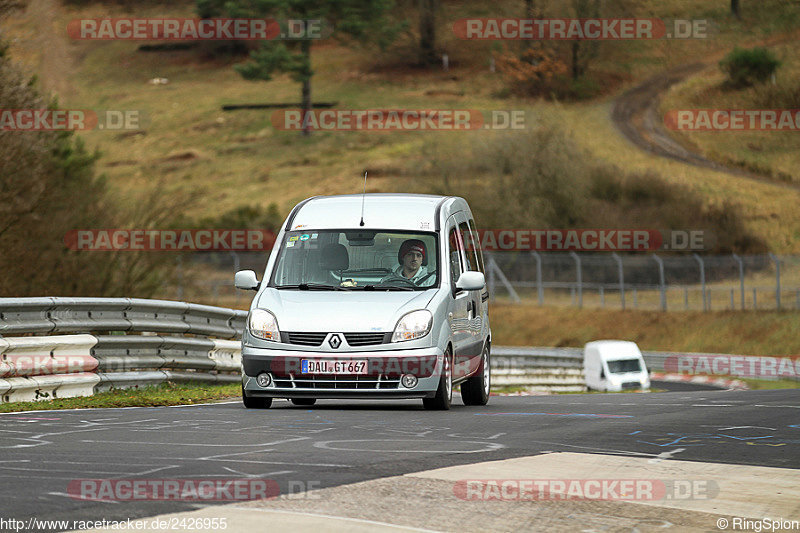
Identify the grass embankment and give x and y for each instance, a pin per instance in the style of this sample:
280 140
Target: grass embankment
769 153
189 145
744 333
165 394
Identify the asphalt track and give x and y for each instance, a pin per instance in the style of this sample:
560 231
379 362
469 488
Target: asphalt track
341 442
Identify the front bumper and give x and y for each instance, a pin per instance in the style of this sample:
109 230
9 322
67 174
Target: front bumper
384 369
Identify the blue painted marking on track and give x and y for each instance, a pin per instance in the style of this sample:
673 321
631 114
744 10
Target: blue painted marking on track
634 433
585 415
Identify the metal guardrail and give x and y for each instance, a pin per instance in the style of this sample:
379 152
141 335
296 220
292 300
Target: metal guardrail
50 366
58 366
78 315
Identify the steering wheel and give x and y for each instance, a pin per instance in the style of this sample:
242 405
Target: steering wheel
401 278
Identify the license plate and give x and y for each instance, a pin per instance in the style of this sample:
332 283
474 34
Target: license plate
312 366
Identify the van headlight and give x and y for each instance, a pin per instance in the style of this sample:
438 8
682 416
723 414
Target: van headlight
413 325
264 325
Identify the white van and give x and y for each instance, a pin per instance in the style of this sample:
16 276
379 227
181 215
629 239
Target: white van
614 366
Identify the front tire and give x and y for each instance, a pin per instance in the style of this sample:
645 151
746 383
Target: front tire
444 394
475 391
304 401
251 402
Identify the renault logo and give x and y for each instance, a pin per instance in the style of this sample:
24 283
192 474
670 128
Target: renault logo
335 341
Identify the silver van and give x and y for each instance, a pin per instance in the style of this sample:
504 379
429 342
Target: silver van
370 296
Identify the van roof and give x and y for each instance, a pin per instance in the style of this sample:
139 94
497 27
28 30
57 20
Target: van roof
614 347
416 212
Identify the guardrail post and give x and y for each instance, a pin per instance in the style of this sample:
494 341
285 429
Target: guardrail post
702 279
602 298
661 282
777 280
579 278
621 274
741 278
539 288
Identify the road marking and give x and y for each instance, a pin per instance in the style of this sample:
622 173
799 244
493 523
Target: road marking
665 455
487 446
587 415
77 497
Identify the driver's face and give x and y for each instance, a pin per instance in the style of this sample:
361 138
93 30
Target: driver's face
412 261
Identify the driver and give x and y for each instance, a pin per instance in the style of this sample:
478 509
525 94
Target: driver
412 254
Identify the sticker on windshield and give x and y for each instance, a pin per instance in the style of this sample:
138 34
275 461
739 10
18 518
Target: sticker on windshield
313 235
291 239
304 237
289 244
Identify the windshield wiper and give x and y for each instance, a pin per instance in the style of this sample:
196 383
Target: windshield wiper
387 288
311 287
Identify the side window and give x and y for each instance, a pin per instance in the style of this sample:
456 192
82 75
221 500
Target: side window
469 247
454 245
476 242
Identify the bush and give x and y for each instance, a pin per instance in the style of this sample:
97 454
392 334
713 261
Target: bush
748 67
540 178
537 73
48 186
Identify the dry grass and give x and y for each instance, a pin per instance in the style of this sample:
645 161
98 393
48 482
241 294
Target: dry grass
747 333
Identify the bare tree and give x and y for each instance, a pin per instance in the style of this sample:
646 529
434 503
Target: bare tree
735 5
427 31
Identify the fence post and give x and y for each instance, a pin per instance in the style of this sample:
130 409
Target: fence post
777 280
579 278
490 281
635 298
733 304
603 298
504 280
741 278
702 279
621 278
755 302
179 260
662 284
539 288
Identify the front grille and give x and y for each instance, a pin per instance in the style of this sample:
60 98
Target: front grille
631 385
364 339
305 339
334 382
353 339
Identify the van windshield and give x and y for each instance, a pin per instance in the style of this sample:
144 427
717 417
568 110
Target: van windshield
621 366
356 259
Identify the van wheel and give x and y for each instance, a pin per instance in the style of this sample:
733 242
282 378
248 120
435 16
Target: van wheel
304 401
444 394
255 403
475 391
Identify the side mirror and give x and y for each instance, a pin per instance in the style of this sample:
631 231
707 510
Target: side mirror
246 280
471 281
